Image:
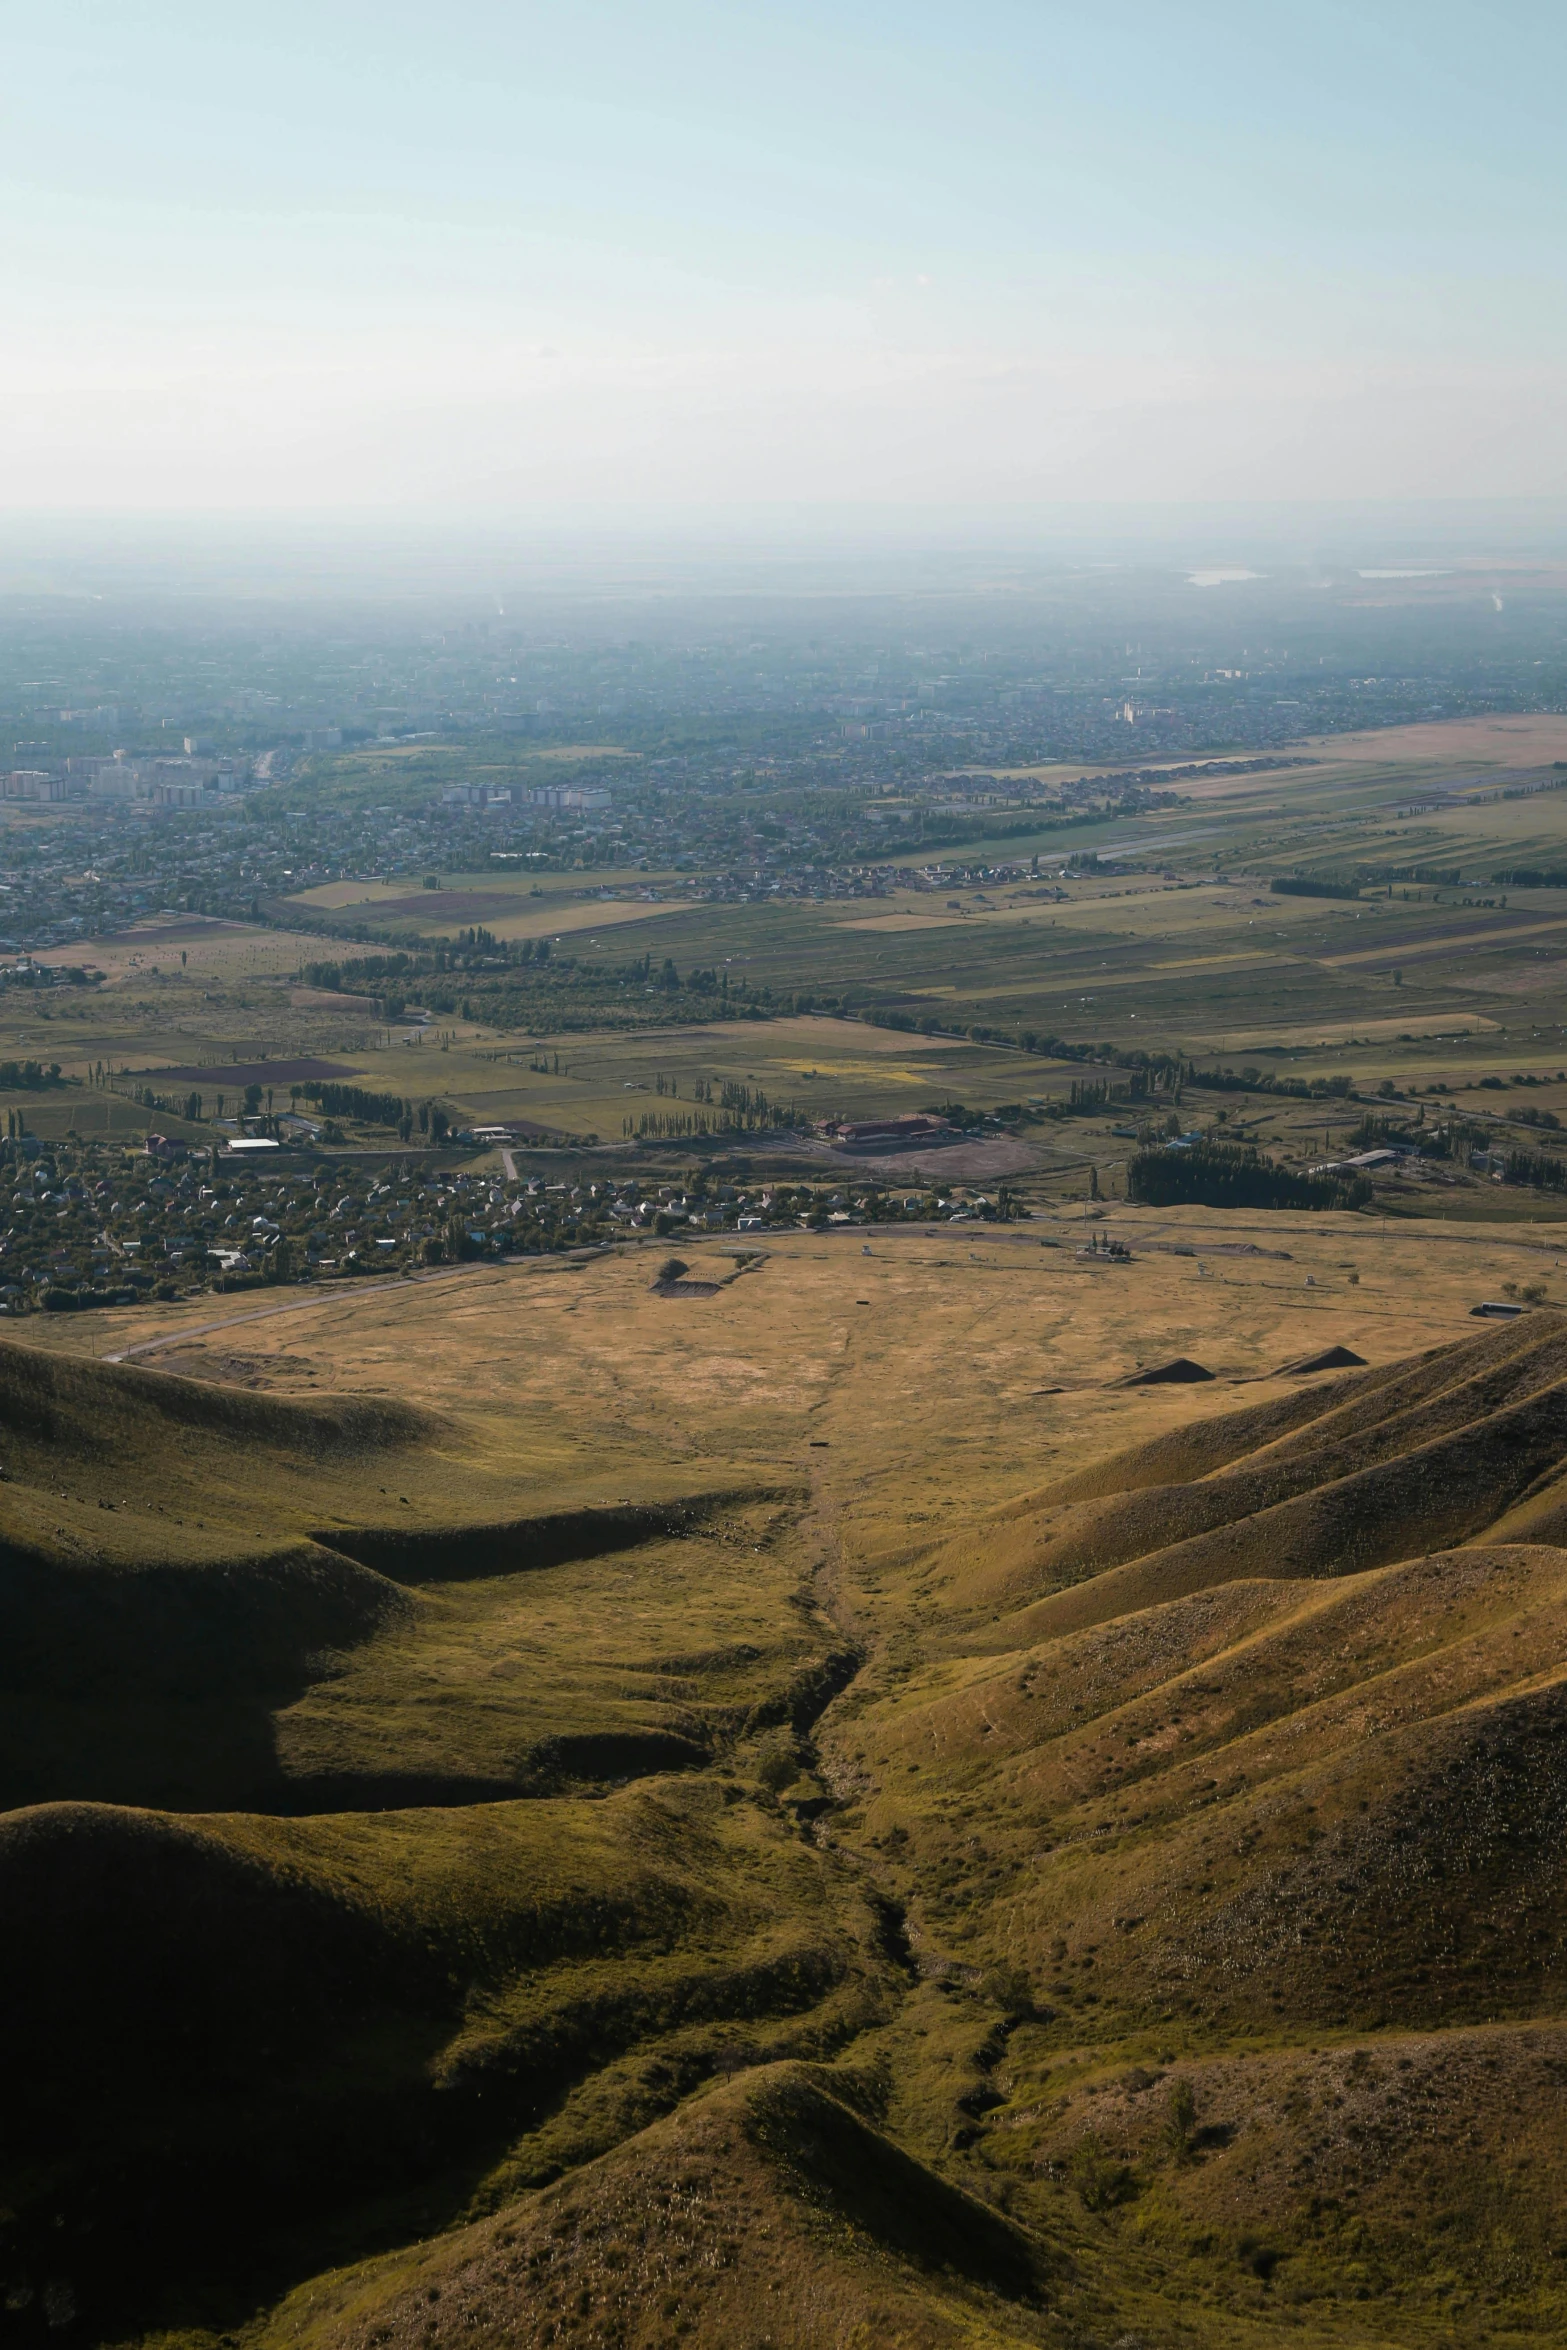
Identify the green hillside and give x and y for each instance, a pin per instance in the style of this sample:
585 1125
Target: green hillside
581 1924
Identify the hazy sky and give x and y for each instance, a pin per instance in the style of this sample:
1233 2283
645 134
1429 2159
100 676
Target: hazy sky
635 255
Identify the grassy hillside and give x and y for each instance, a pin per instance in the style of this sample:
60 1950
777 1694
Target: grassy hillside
234 2044
212 1598
772 2211
914 1851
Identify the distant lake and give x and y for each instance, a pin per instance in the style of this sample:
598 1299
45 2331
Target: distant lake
1221 577
1430 574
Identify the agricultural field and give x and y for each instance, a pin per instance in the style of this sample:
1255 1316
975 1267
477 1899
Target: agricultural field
508 904
561 1004
815 1065
1183 947
1200 966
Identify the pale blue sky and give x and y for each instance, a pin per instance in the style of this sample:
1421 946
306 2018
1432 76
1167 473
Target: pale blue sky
643 257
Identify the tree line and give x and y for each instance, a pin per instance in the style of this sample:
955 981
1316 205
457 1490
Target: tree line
1233 1175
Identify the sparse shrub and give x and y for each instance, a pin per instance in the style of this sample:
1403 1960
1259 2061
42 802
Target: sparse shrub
778 1762
1100 2178
1012 1992
1180 2120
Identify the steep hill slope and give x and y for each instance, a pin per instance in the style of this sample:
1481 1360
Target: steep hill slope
769 2211
1369 1473
244 2035
210 1598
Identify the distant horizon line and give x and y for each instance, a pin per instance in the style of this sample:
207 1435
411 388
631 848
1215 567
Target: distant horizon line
313 553
728 514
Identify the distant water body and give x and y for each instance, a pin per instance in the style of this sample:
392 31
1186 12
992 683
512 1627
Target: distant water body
1222 577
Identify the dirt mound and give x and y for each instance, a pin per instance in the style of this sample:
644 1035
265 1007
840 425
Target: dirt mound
1181 1371
671 1281
1198 1450
1330 1358
1364 1398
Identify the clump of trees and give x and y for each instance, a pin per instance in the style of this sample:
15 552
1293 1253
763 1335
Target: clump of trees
1539 1168
376 1109
1295 1089
355 1101
1234 1175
